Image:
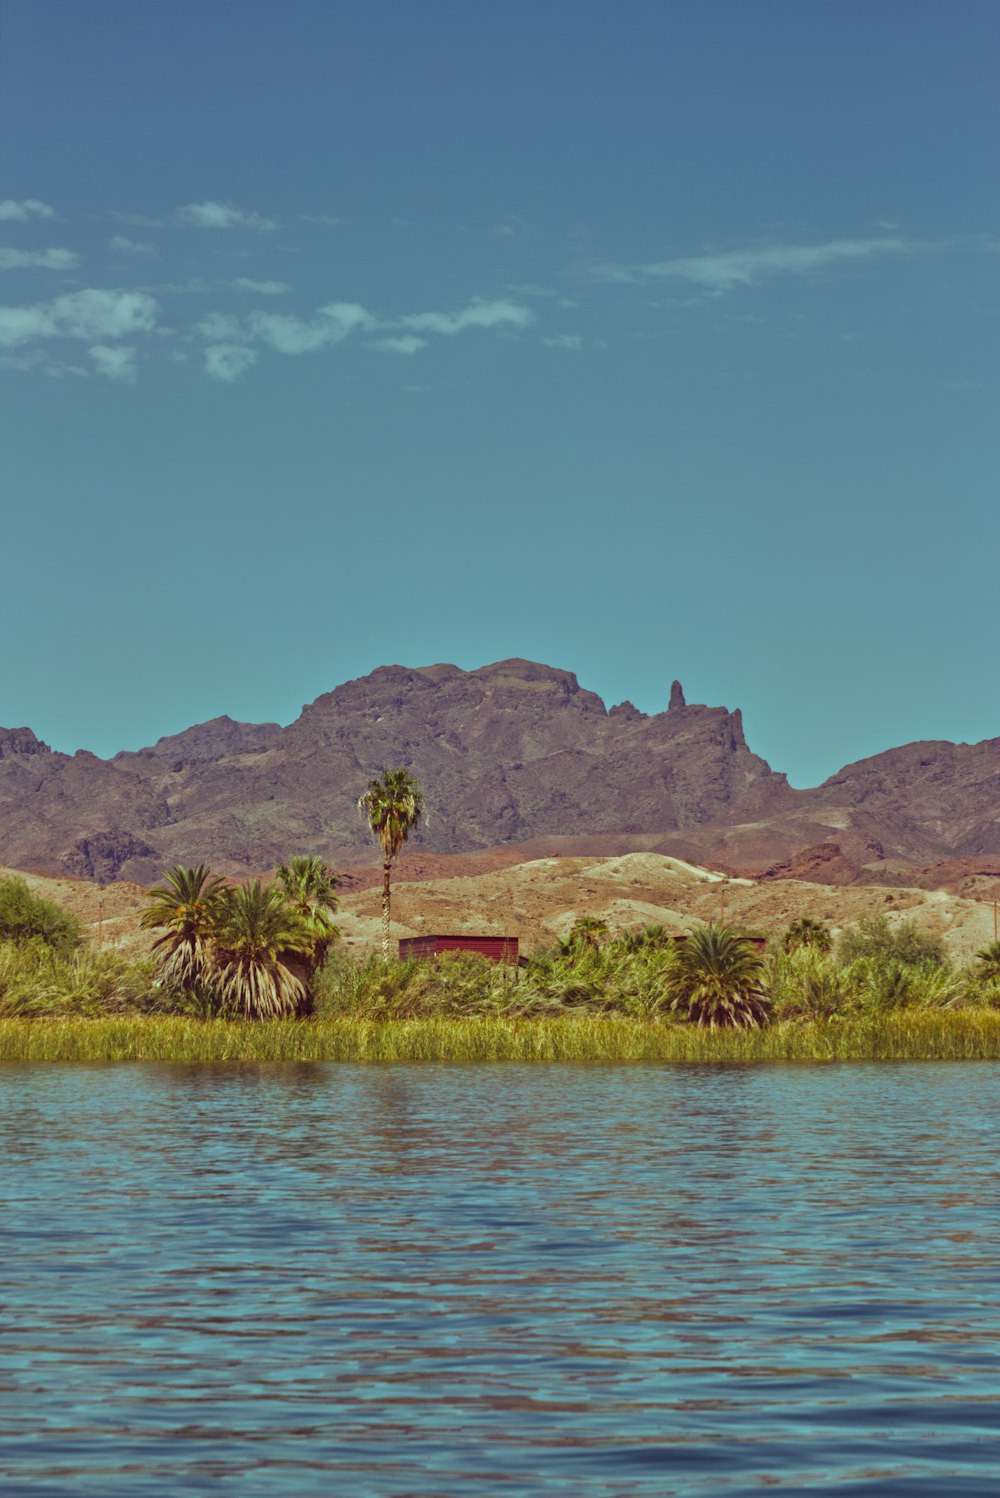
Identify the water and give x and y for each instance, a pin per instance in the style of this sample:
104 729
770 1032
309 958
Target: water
427 1281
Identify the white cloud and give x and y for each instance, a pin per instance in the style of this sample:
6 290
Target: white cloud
326 219
719 272
260 288
223 216
38 259
124 246
20 211
232 337
227 361
220 327
408 343
89 314
478 314
564 340
117 363
293 335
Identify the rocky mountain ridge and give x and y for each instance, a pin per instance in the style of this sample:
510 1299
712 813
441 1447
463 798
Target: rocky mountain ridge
515 755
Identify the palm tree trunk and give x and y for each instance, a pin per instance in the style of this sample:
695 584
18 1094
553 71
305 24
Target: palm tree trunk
386 869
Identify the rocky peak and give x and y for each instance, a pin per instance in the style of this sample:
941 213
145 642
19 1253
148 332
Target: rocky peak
677 698
20 741
626 710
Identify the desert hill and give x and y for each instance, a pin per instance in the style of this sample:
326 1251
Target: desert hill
538 901
514 757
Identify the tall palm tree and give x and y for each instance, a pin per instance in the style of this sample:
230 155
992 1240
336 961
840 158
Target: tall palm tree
257 931
394 806
188 904
309 886
718 979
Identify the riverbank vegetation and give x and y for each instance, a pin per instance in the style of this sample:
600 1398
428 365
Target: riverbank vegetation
972 1035
224 954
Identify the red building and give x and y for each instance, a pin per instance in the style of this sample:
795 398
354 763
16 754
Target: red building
496 948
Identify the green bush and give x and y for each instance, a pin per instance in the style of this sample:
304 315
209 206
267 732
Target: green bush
805 983
26 917
873 936
36 980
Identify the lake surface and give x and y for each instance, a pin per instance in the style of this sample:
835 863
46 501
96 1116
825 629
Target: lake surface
427 1281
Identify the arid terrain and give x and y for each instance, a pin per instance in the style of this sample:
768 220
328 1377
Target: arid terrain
539 899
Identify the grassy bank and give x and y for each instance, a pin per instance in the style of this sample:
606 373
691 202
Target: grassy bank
907 1035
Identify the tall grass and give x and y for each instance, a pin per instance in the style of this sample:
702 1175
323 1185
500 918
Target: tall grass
908 1035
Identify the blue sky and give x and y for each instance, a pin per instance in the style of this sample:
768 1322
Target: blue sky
649 340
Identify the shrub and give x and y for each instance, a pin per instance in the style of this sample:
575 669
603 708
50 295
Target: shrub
873 936
27 917
805 983
37 980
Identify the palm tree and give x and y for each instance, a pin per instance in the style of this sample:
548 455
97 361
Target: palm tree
394 806
257 931
718 979
586 931
309 886
988 959
188 904
807 933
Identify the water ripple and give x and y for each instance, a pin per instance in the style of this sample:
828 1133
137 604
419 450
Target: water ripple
418 1282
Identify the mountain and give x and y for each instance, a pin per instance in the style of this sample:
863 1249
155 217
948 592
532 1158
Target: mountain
514 755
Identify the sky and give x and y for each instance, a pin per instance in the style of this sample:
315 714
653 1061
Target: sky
648 339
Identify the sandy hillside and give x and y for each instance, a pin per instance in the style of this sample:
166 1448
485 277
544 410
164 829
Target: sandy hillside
539 900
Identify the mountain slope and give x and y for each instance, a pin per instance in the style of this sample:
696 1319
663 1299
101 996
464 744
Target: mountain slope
514 755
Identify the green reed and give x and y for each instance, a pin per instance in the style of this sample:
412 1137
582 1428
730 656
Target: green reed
906 1035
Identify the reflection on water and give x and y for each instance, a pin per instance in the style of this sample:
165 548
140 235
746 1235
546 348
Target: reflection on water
428 1281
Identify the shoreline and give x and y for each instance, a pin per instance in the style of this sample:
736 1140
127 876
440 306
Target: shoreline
905 1035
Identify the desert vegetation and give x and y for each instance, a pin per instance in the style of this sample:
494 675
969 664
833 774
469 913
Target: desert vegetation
394 806
223 954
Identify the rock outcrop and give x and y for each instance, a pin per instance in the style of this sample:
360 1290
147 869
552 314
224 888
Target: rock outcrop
508 753
513 754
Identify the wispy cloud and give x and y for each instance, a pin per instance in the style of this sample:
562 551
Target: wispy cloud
122 245
223 216
227 361
478 314
285 333
90 314
717 272
260 288
19 211
564 340
232 337
38 259
512 225
407 343
326 219
114 362
294 335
